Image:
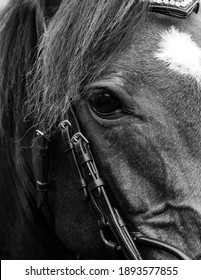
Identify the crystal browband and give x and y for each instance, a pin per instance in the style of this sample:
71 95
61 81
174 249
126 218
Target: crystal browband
178 8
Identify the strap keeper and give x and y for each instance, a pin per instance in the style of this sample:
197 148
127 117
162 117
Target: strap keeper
95 184
68 146
42 189
83 158
83 183
84 188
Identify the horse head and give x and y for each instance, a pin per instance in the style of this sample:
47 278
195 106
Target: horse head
110 126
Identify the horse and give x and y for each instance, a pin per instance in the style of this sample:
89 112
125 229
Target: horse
100 117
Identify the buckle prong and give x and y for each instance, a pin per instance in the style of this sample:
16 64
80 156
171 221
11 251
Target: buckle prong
78 135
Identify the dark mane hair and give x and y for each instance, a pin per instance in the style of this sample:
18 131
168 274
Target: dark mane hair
17 41
80 39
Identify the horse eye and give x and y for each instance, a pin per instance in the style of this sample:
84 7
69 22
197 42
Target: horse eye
104 102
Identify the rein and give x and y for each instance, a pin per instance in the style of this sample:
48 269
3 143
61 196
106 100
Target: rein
113 230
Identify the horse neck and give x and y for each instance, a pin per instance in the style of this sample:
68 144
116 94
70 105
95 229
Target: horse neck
16 220
24 232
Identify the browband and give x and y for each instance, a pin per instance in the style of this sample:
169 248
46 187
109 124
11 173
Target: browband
175 8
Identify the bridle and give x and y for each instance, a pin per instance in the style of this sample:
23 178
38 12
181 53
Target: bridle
113 230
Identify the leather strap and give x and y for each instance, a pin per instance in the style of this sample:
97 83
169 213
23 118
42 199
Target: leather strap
109 220
42 166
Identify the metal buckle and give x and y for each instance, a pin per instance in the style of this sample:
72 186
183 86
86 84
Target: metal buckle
76 137
109 244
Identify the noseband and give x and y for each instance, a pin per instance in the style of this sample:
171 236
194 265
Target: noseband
113 230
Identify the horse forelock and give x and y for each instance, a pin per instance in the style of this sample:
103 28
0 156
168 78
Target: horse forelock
79 42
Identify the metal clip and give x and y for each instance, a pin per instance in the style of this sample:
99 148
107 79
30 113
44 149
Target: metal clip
64 124
76 137
110 244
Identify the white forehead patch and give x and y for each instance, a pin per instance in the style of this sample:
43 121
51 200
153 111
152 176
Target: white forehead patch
180 53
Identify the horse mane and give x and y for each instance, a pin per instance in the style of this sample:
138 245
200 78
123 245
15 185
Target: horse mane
82 37
17 41
18 44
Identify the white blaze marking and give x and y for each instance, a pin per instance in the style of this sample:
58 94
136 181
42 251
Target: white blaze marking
180 53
